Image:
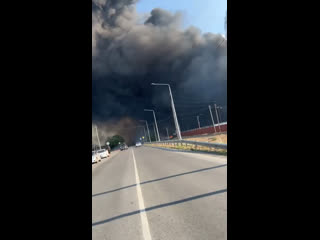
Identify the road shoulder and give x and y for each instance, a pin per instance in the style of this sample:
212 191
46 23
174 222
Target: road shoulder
99 164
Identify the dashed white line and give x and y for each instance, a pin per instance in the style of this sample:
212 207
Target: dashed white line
144 219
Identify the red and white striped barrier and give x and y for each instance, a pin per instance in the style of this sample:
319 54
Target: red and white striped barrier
206 130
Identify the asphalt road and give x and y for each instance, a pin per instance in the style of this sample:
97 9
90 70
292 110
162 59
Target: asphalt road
180 196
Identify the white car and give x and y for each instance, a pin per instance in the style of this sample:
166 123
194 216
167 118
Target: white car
138 144
95 157
123 147
103 153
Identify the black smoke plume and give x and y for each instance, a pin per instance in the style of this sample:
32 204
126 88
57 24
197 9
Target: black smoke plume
130 51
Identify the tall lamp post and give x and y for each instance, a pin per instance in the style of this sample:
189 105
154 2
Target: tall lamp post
147 128
173 109
155 122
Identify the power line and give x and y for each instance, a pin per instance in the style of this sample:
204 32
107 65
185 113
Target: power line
189 102
193 113
191 99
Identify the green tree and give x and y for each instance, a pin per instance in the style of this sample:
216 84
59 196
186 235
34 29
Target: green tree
114 140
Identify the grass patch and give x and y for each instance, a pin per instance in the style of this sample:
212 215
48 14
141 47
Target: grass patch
192 148
212 139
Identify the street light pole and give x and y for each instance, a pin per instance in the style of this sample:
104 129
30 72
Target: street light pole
167 133
215 107
212 119
147 128
173 109
198 121
148 131
98 137
220 115
144 129
155 121
144 135
155 133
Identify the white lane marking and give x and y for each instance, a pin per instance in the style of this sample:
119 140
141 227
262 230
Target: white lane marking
144 219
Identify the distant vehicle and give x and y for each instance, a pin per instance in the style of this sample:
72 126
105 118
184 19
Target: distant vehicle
138 144
95 157
103 153
123 147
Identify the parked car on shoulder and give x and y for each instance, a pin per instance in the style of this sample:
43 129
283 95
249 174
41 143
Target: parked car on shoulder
138 144
95 157
103 153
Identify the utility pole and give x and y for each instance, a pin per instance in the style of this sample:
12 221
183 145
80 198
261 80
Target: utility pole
167 133
155 122
173 109
212 119
220 115
148 131
215 107
198 121
155 133
144 129
98 137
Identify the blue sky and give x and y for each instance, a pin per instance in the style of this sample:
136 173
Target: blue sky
208 15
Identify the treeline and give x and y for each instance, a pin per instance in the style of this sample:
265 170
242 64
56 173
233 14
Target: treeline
114 141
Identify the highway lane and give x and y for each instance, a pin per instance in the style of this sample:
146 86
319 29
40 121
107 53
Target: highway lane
183 194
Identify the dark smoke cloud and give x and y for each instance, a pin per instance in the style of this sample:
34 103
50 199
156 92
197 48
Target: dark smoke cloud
123 127
127 56
160 17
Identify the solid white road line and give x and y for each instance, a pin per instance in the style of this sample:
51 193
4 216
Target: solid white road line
144 219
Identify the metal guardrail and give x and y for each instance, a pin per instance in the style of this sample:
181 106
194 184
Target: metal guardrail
205 144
